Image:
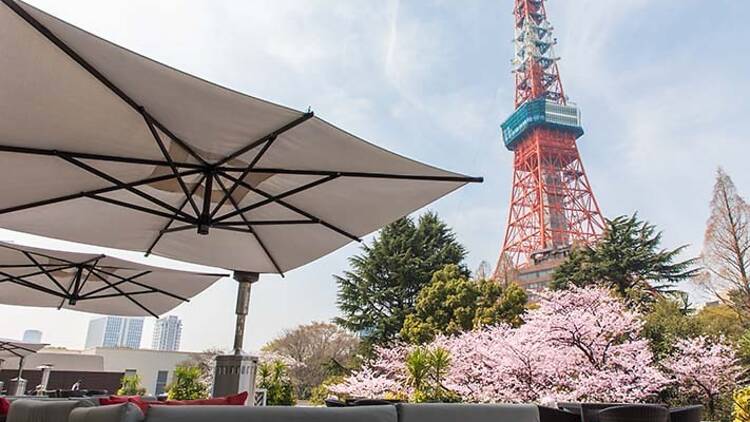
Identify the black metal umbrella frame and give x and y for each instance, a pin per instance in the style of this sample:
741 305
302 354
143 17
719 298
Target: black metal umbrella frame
72 294
204 214
12 347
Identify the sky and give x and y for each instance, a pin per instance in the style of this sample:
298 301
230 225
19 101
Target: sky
662 86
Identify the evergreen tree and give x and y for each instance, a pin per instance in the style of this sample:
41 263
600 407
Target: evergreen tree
382 286
452 303
628 259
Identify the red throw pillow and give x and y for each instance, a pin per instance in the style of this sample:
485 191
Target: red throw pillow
136 400
237 399
218 401
4 406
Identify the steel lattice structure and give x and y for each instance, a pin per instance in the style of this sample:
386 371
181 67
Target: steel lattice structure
552 204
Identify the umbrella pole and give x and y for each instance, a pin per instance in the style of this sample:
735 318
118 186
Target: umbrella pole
20 367
235 373
244 282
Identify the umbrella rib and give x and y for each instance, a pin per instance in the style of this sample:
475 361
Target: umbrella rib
132 206
177 229
145 286
93 192
122 280
266 141
73 281
111 295
173 217
16 280
372 175
279 196
249 226
12 346
94 72
168 157
33 274
88 275
127 296
95 157
295 209
296 122
265 223
118 182
228 192
46 272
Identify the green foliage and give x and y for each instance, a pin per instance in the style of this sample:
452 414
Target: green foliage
273 377
315 351
667 322
741 408
187 384
452 303
426 369
130 385
721 321
381 288
628 260
321 392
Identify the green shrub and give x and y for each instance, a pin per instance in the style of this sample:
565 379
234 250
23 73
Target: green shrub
130 385
187 384
273 377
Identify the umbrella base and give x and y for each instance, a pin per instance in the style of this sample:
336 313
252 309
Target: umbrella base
234 374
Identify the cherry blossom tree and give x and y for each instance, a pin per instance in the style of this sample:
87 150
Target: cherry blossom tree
581 344
703 368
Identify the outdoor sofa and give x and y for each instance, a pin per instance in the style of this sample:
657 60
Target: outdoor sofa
34 411
89 411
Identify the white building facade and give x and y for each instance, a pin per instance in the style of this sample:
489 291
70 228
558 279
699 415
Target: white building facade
167 334
115 331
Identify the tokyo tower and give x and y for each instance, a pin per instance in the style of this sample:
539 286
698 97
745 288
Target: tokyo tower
552 206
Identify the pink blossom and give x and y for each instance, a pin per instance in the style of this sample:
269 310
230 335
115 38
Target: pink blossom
577 345
702 367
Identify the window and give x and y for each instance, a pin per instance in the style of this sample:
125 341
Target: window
161 382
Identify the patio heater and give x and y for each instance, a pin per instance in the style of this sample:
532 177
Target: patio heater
46 371
236 372
17 386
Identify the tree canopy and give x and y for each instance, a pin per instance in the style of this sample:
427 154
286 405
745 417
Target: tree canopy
726 248
453 303
627 259
381 287
315 351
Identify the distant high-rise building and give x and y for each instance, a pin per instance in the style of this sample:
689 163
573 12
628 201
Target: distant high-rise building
114 331
167 333
32 336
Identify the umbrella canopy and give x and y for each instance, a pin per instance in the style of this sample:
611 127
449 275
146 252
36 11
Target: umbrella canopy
103 146
18 349
93 283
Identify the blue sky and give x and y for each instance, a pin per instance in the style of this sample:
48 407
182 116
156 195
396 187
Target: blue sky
662 85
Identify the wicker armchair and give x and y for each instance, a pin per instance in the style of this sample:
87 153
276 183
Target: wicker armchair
686 414
635 413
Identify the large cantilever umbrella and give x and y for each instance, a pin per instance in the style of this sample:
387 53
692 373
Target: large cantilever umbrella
17 349
103 146
93 283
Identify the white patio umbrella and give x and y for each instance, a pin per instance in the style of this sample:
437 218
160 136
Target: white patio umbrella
103 146
17 349
93 283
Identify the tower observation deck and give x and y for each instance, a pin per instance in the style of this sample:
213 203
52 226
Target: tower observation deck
552 205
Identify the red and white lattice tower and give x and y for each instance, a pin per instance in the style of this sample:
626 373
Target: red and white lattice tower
552 205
